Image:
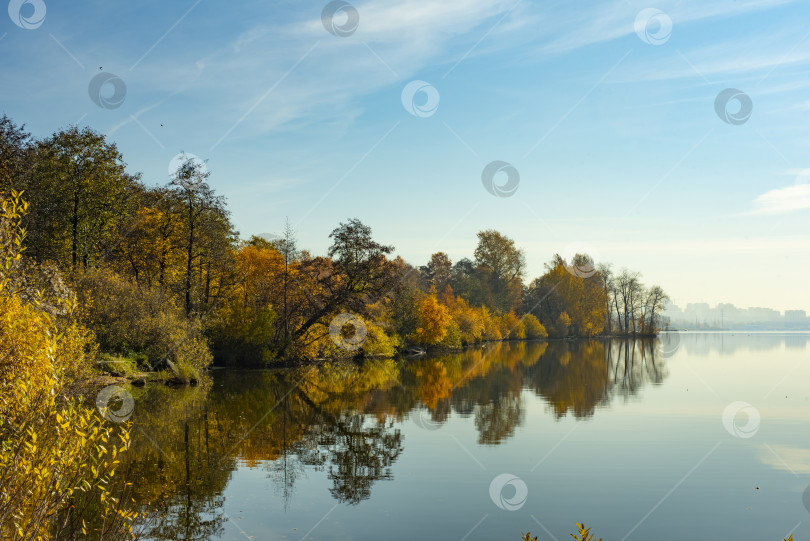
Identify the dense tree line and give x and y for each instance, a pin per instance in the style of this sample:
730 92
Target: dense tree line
132 252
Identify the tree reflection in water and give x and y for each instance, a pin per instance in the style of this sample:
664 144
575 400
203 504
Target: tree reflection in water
344 419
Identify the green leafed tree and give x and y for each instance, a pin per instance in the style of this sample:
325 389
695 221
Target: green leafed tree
206 225
506 263
80 196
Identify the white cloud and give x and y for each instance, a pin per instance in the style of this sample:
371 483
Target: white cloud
393 43
616 20
783 200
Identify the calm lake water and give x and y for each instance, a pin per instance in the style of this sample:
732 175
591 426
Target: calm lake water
694 436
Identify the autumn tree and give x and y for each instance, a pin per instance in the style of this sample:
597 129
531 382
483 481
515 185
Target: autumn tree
54 449
559 290
246 319
505 264
434 319
356 273
533 328
152 241
512 327
470 320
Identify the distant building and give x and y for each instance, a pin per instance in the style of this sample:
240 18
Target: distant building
763 314
730 317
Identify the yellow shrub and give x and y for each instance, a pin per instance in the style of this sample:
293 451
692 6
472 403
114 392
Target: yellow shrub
534 329
53 449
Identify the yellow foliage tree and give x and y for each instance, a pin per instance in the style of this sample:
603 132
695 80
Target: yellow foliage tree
469 320
246 322
533 328
563 324
492 328
582 299
434 318
512 327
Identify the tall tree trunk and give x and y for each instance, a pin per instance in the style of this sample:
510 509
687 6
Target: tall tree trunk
190 255
207 283
286 314
75 240
618 313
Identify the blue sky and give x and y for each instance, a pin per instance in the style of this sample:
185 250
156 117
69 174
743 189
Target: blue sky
607 113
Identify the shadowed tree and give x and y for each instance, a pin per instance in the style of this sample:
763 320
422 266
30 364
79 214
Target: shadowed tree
288 246
200 204
606 276
506 263
628 295
438 271
81 198
653 306
16 147
356 273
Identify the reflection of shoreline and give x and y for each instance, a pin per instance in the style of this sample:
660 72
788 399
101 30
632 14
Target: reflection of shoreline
343 418
727 343
593 375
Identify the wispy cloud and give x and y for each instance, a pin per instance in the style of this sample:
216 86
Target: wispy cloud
393 43
783 200
615 20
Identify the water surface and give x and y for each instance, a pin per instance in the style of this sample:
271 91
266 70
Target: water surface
695 436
